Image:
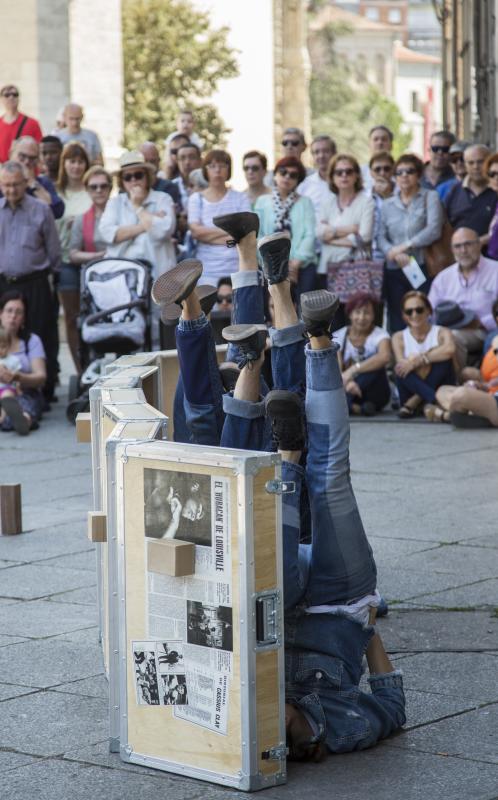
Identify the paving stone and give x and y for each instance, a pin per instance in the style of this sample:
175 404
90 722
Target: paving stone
391 550
86 596
5 639
36 619
469 735
395 583
44 544
7 564
483 594
49 662
83 560
32 581
8 691
96 686
462 675
9 761
483 541
465 561
58 488
423 708
99 755
37 517
44 723
439 630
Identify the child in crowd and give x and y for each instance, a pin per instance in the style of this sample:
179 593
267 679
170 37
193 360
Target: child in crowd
9 407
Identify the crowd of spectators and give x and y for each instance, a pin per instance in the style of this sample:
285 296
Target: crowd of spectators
368 232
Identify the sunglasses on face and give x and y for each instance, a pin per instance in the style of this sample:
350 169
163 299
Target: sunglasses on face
288 173
415 310
456 158
224 298
291 143
10 94
138 176
251 168
440 148
347 171
407 171
98 187
382 168
493 174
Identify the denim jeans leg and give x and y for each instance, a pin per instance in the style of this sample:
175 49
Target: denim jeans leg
201 380
182 433
306 280
441 373
296 556
248 304
287 358
244 426
342 564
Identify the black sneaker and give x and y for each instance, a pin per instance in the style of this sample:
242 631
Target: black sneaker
229 373
285 409
237 225
317 311
250 339
176 284
207 298
368 409
274 250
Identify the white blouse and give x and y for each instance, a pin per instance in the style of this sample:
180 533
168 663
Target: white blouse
360 212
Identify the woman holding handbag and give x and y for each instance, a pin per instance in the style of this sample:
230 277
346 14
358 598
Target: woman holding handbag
411 220
348 213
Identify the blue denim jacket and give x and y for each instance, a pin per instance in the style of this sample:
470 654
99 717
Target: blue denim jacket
323 661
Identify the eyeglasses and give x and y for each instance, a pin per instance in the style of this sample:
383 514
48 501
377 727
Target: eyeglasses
138 176
342 172
407 171
26 157
173 151
291 143
224 298
98 187
468 243
251 167
415 310
288 173
455 158
382 168
493 174
10 94
440 148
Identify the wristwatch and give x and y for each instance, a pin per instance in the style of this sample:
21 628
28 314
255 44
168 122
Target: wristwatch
357 366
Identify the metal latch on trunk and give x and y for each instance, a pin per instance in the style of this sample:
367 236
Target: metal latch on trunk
280 487
268 619
275 753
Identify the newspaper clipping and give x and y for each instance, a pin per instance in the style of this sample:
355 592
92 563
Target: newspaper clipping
160 673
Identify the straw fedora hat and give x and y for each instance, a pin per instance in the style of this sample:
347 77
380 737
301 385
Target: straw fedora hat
133 158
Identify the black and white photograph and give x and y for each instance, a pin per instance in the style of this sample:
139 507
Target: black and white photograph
174 690
209 626
170 657
177 505
144 662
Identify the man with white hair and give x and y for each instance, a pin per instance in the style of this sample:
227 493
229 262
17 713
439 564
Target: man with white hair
73 132
471 203
26 151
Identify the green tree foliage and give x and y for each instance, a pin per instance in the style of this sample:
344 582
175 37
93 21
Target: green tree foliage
172 59
343 103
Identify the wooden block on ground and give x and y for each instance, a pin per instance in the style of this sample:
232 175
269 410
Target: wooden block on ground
171 557
97 526
10 509
84 427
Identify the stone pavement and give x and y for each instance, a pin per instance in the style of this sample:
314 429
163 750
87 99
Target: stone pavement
428 496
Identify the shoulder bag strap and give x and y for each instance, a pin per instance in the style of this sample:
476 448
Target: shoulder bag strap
21 127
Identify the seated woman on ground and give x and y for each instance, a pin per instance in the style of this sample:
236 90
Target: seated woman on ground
475 404
22 410
423 355
364 353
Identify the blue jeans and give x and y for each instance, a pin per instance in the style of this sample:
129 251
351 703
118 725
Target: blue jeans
441 374
374 389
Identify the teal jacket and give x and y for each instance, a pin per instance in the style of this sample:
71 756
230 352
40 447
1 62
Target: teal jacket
302 218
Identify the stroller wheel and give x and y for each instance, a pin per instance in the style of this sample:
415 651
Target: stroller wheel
74 388
77 406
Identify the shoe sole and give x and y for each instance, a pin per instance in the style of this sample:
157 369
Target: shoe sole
238 333
281 403
207 298
229 373
469 421
319 306
176 284
249 216
14 411
273 237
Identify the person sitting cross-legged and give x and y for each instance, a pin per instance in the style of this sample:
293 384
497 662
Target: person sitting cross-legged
330 586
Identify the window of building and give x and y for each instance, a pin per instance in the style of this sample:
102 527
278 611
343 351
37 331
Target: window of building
372 13
394 16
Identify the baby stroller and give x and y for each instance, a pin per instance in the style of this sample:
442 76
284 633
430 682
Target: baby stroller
114 320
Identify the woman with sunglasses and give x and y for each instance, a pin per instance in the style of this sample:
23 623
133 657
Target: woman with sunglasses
85 244
285 210
381 167
364 353
423 355
346 214
411 220
14 124
73 165
491 170
255 167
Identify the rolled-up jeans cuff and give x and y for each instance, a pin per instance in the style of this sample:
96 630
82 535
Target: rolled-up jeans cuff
243 408
241 280
310 704
285 336
193 324
387 680
321 353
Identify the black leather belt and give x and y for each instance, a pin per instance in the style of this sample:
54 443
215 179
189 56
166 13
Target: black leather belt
26 277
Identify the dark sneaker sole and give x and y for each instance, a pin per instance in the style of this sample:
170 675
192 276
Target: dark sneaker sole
239 333
14 411
207 298
319 306
273 237
176 284
280 403
238 224
469 421
229 374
